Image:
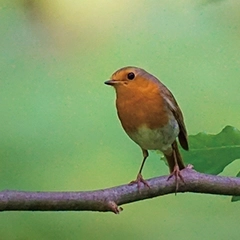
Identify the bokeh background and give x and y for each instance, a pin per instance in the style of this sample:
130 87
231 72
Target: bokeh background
58 125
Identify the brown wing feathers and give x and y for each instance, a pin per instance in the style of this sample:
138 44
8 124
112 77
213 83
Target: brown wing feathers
172 104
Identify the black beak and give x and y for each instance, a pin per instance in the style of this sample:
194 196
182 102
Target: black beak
110 82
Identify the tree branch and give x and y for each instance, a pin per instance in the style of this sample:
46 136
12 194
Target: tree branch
110 199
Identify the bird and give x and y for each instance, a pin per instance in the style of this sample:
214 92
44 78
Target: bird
151 117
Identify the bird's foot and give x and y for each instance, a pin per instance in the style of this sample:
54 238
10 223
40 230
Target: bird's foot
177 173
139 180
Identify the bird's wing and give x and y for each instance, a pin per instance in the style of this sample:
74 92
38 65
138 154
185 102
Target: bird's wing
173 106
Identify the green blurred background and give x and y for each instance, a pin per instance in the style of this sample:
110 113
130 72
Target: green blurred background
58 125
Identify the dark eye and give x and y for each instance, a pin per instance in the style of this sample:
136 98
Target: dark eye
131 76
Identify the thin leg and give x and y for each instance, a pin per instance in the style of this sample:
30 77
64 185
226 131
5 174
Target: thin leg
176 171
145 156
139 176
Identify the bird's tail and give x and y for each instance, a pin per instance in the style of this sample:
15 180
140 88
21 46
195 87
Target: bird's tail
174 158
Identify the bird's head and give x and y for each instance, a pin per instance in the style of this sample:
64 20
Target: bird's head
132 79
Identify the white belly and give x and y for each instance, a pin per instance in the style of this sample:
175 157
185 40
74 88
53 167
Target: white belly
156 139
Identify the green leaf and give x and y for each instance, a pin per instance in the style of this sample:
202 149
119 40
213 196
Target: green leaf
212 153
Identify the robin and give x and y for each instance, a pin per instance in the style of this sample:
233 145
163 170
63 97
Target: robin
150 116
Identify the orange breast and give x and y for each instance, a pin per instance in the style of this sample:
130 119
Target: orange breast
136 110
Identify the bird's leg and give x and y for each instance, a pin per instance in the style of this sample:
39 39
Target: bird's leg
140 179
176 171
